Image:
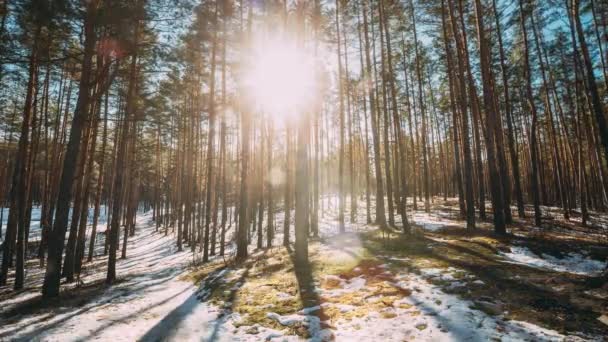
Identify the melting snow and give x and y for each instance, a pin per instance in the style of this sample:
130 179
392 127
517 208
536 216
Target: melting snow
431 222
433 315
152 304
571 263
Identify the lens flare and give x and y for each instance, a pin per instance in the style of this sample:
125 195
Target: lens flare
281 79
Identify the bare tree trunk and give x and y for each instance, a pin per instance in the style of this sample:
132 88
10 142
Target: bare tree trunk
380 214
121 160
100 182
50 287
425 165
366 160
242 231
223 149
532 108
302 181
461 86
288 186
385 121
341 192
559 181
18 194
270 218
596 102
491 120
509 113
397 123
210 140
88 178
450 71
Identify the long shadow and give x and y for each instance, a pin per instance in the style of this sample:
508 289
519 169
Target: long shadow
36 332
167 326
82 296
463 249
459 331
96 290
159 252
306 282
224 314
307 290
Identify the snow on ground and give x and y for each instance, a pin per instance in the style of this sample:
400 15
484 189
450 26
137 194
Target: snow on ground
151 303
429 314
35 231
150 292
427 221
572 262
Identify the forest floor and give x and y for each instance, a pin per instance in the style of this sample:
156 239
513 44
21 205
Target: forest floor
439 283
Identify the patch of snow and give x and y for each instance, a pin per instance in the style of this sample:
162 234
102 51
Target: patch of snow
456 284
433 315
312 323
572 263
438 273
151 304
309 310
430 222
355 284
345 286
284 296
344 308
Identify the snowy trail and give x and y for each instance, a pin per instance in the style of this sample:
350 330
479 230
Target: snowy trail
150 303
147 303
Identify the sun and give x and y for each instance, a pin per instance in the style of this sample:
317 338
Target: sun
280 78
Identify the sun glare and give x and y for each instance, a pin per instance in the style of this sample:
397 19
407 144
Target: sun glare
281 79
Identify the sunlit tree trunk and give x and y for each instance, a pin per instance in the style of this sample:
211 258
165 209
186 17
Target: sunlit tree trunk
462 101
455 119
121 161
423 134
302 181
397 123
100 182
364 101
491 120
56 241
596 102
242 230
18 193
380 214
509 114
341 192
210 140
532 108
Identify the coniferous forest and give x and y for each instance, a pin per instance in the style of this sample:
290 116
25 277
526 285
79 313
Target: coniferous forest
285 170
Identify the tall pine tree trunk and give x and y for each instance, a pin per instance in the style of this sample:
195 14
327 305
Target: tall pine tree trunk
380 214
56 242
532 107
491 120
